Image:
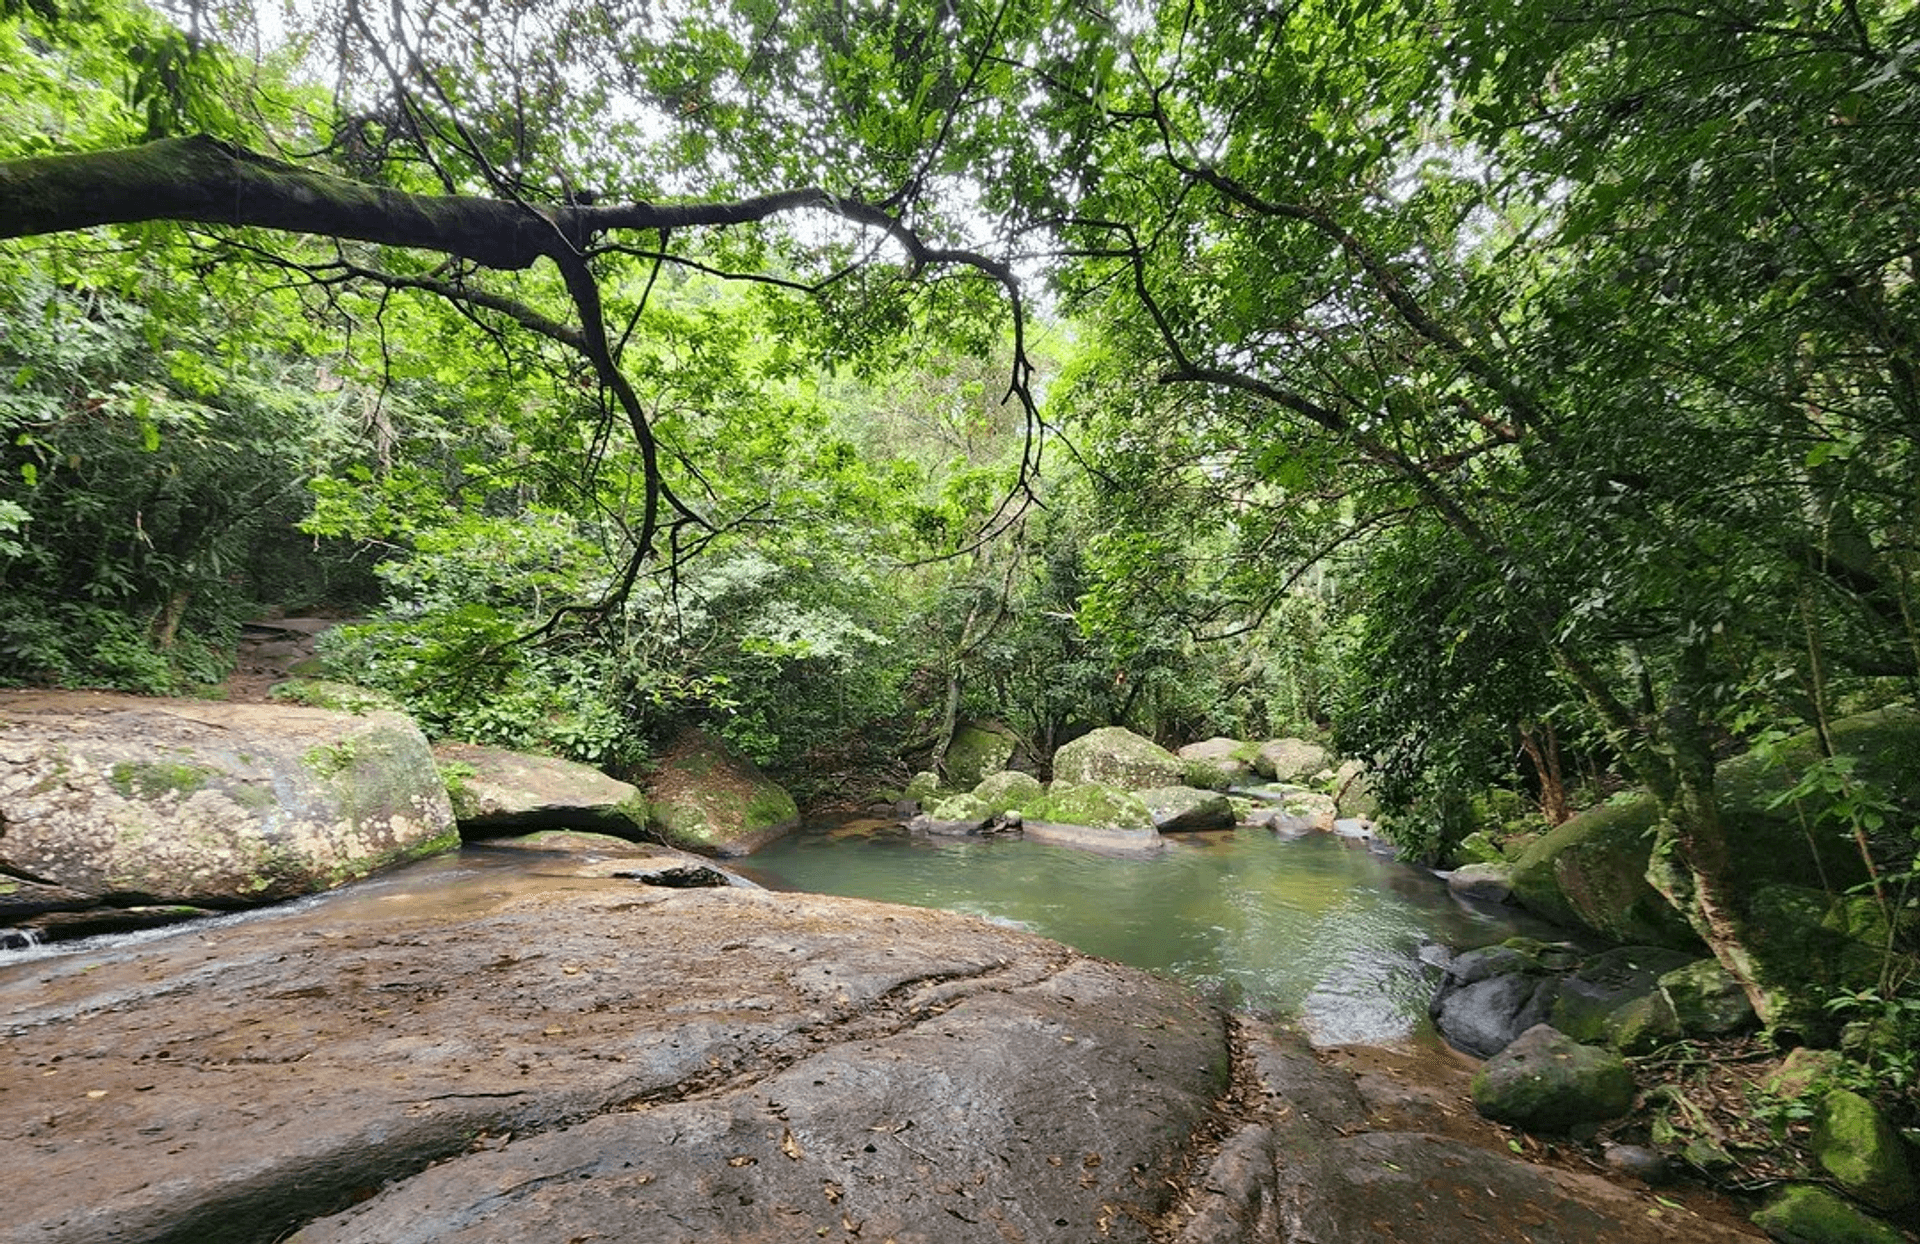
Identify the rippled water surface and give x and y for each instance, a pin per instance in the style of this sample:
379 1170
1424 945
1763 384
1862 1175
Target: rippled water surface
1315 926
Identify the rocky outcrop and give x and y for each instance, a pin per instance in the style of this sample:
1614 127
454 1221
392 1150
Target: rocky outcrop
495 791
110 801
1627 997
1591 872
704 796
576 1055
600 1057
1379 1149
1115 756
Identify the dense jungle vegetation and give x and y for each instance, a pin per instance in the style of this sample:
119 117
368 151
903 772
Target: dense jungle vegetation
1526 393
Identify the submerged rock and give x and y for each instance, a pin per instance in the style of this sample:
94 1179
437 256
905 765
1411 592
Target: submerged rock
1180 809
121 800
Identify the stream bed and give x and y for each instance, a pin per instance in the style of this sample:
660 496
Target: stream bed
1318 927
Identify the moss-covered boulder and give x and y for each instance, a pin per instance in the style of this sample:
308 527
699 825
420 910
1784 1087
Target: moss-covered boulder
1591 872
1605 982
706 797
1009 791
1814 943
1230 758
1705 999
1182 809
1114 756
1545 1081
922 786
977 751
495 791
1093 805
1857 1146
121 800
953 816
1806 1214
1772 843
1290 760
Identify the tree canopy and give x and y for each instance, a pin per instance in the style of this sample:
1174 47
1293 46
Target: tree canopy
1514 387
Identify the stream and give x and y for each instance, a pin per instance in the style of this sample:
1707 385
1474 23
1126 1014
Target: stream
1317 927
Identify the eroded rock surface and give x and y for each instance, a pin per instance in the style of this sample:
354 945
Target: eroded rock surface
561 1053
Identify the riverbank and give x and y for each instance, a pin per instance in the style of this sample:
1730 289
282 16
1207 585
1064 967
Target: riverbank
455 1053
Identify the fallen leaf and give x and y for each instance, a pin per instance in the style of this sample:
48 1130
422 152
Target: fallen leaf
745 1159
790 1146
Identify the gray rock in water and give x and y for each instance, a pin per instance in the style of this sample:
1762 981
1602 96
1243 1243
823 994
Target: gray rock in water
1482 883
1484 1017
1180 809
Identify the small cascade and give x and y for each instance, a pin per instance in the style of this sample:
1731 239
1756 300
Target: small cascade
20 939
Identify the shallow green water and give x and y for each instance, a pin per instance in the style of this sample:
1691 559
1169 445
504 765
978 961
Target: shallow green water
1317 926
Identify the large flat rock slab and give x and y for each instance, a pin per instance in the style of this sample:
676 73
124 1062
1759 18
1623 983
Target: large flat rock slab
536 1045
530 1053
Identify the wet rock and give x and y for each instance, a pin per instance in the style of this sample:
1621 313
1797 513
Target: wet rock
552 1059
1484 1017
1546 1082
1482 883
120 800
1104 839
1181 809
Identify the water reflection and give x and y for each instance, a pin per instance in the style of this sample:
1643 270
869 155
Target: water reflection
1313 926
